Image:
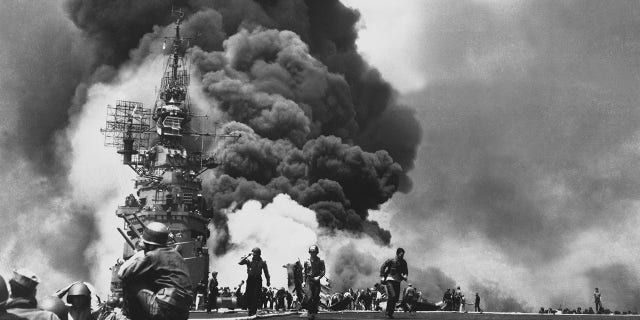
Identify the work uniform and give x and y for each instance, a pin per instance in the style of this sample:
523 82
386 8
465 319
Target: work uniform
158 284
598 301
314 268
212 287
396 269
255 267
27 308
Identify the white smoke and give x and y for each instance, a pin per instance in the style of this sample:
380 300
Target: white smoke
284 230
97 175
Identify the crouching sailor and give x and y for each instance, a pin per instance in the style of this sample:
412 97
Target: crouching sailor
155 280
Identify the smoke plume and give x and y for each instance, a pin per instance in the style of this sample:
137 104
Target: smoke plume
530 146
299 121
306 103
295 90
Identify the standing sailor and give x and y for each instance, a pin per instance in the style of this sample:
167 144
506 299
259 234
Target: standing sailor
597 299
255 267
212 291
477 304
156 281
314 270
392 272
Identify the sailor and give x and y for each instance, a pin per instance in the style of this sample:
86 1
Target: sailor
598 300
463 303
409 298
264 298
314 270
4 296
255 267
156 281
200 293
212 292
392 272
289 298
79 298
23 297
477 304
448 300
457 299
240 300
281 295
238 295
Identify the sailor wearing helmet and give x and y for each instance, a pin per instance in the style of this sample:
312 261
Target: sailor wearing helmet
156 281
314 270
255 267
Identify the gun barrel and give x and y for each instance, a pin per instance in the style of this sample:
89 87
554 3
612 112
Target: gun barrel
135 215
131 244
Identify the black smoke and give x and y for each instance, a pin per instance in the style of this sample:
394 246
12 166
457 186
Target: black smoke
314 106
309 131
290 71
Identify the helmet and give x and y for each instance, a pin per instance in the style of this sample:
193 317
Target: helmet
4 291
79 289
314 248
55 305
113 302
156 233
256 251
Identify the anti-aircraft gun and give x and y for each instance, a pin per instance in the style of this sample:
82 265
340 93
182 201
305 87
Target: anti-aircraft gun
169 189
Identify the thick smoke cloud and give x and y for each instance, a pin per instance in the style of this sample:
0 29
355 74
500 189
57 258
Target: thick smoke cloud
43 60
116 27
286 86
530 134
52 88
329 29
338 181
301 122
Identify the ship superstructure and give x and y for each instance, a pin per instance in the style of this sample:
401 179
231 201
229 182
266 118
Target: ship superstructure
168 187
